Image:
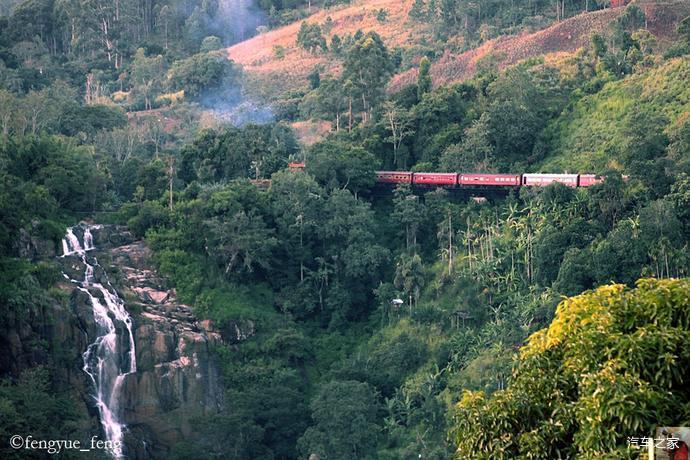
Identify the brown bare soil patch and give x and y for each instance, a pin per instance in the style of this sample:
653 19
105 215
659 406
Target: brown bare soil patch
564 37
268 76
258 58
310 132
164 116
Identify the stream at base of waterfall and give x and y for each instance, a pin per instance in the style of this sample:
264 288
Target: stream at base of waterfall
111 356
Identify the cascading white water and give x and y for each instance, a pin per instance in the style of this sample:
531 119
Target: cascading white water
111 357
70 243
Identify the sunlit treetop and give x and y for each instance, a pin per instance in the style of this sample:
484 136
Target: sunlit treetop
612 364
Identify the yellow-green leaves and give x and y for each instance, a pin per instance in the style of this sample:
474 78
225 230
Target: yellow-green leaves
612 364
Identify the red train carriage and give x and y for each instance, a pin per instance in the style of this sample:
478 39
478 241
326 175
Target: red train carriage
540 180
435 179
504 180
587 180
476 179
394 177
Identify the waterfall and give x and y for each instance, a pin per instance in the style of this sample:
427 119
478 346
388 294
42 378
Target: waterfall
112 355
70 243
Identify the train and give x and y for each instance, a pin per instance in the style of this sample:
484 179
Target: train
486 180
480 180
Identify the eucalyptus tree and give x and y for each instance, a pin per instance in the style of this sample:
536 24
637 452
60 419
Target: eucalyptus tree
368 66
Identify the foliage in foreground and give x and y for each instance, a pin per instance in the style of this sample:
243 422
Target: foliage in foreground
612 364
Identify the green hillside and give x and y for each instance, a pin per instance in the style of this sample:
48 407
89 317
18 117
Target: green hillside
286 311
594 134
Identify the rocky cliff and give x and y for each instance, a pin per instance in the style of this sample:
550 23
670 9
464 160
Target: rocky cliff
176 378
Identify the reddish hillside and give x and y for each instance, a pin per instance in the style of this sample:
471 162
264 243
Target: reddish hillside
275 75
270 74
310 132
566 36
563 37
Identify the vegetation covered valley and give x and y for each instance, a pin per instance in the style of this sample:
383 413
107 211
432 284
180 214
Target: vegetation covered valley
355 320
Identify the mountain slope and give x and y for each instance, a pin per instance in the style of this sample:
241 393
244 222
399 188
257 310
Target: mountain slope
565 36
271 73
258 56
591 136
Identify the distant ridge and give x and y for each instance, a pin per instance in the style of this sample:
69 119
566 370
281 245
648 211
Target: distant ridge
563 37
270 76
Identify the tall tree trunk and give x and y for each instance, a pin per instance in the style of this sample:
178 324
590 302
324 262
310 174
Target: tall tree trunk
301 251
450 243
364 109
171 182
349 126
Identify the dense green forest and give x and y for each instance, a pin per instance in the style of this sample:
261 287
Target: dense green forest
102 118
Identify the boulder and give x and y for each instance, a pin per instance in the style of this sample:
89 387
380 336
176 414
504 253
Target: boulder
31 246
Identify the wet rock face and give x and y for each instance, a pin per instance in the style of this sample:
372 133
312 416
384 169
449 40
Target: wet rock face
236 331
60 332
106 236
177 378
31 246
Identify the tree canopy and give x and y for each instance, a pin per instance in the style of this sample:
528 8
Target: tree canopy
611 363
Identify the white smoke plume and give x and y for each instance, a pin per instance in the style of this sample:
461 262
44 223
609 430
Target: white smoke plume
237 20
243 18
